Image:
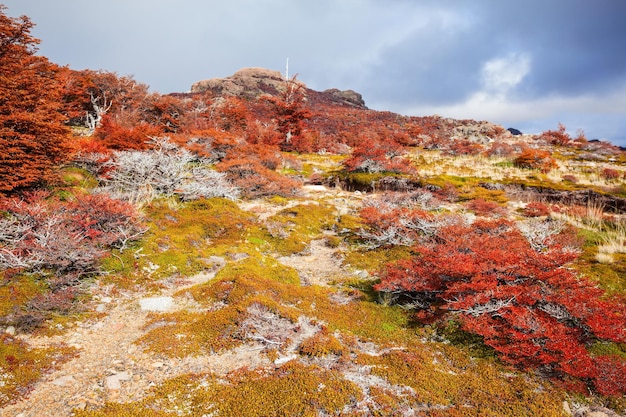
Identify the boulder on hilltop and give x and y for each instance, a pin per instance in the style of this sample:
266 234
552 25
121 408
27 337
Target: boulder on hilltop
247 82
250 83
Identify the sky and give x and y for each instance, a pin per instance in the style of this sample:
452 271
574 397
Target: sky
528 64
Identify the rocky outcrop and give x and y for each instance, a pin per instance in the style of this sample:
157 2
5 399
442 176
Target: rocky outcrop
247 83
250 83
349 97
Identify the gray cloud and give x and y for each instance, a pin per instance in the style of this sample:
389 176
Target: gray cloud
531 63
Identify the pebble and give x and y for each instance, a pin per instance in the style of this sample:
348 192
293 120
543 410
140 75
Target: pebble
64 380
10 331
112 383
156 303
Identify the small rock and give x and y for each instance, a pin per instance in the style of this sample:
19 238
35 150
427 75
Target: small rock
123 376
285 359
100 308
567 408
63 381
362 274
106 300
10 330
113 383
156 303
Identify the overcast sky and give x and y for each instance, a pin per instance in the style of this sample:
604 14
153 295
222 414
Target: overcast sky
525 64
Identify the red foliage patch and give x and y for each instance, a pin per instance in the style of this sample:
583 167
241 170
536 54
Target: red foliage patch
526 304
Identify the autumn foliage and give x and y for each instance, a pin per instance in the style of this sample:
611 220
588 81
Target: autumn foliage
525 303
32 134
557 137
374 156
62 242
290 112
535 159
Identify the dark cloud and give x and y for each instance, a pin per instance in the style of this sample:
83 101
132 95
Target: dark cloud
531 63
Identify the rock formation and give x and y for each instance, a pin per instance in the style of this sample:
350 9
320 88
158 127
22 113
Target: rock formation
247 83
251 83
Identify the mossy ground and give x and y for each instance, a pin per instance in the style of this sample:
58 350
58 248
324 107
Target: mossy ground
21 366
365 358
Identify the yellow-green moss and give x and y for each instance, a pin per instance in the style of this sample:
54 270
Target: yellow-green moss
291 390
21 366
375 259
17 290
321 344
180 239
467 388
292 229
78 177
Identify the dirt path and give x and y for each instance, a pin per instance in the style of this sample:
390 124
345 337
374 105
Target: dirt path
111 367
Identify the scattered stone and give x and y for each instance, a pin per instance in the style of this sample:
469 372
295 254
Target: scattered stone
349 97
123 376
63 381
112 383
594 411
362 274
10 331
156 303
239 256
567 408
284 359
101 308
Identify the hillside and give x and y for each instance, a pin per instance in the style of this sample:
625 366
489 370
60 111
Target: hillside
255 247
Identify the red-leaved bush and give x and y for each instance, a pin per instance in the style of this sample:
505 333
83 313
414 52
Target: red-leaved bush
61 242
371 155
252 169
41 233
525 303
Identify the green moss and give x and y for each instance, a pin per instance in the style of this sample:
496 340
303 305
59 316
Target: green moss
291 390
21 366
184 333
608 348
375 259
78 177
464 387
469 342
321 344
17 290
179 239
292 229
610 277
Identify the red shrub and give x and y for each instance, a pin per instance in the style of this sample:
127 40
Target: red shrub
535 159
500 149
536 209
251 168
485 208
117 137
526 304
371 155
557 137
610 174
